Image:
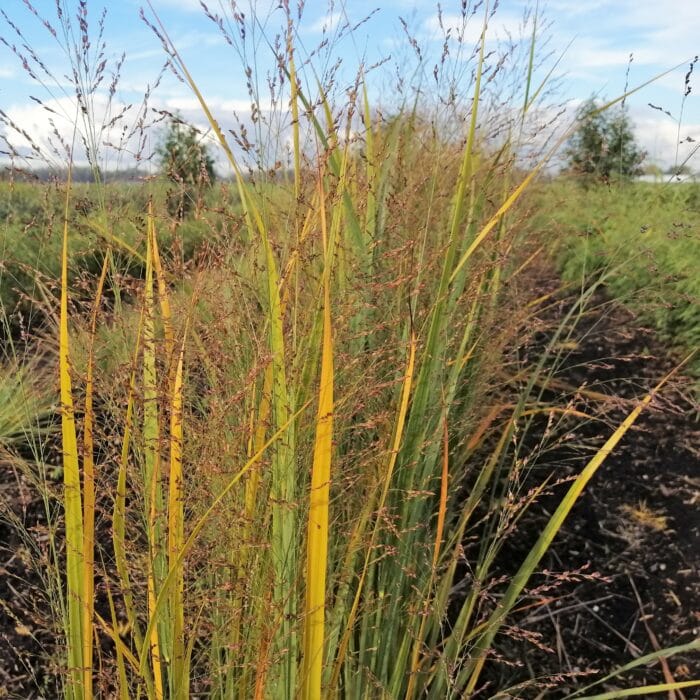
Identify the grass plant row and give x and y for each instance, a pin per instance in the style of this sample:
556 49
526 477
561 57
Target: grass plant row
278 462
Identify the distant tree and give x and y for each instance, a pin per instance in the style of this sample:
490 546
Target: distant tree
653 170
186 162
604 145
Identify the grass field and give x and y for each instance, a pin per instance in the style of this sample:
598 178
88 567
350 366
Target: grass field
642 237
279 448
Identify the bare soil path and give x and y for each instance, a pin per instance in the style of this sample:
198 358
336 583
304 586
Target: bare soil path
634 534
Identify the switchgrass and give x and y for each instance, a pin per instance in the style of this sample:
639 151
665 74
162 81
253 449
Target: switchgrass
279 479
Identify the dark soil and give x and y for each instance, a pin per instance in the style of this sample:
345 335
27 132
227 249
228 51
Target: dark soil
624 571
28 637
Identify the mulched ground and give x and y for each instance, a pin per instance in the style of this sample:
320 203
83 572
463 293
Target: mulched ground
28 641
633 538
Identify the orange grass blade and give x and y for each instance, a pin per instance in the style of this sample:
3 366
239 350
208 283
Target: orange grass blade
262 666
444 482
461 625
151 438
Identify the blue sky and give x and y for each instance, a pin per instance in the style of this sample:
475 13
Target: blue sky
593 41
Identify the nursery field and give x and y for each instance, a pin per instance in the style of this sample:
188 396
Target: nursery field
642 238
385 414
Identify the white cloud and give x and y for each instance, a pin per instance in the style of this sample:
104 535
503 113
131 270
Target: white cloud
326 24
586 54
653 33
115 149
219 105
575 8
45 126
501 26
181 104
659 136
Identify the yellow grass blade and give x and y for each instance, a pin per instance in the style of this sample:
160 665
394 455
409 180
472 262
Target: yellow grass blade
494 220
317 532
89 497
444 483
151 438
163 300
100 228
176 533
71 487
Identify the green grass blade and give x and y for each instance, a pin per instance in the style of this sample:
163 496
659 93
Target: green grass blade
72 491
644 660
644 690
157 609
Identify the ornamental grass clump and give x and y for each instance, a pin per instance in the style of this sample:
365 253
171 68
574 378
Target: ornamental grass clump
278 491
